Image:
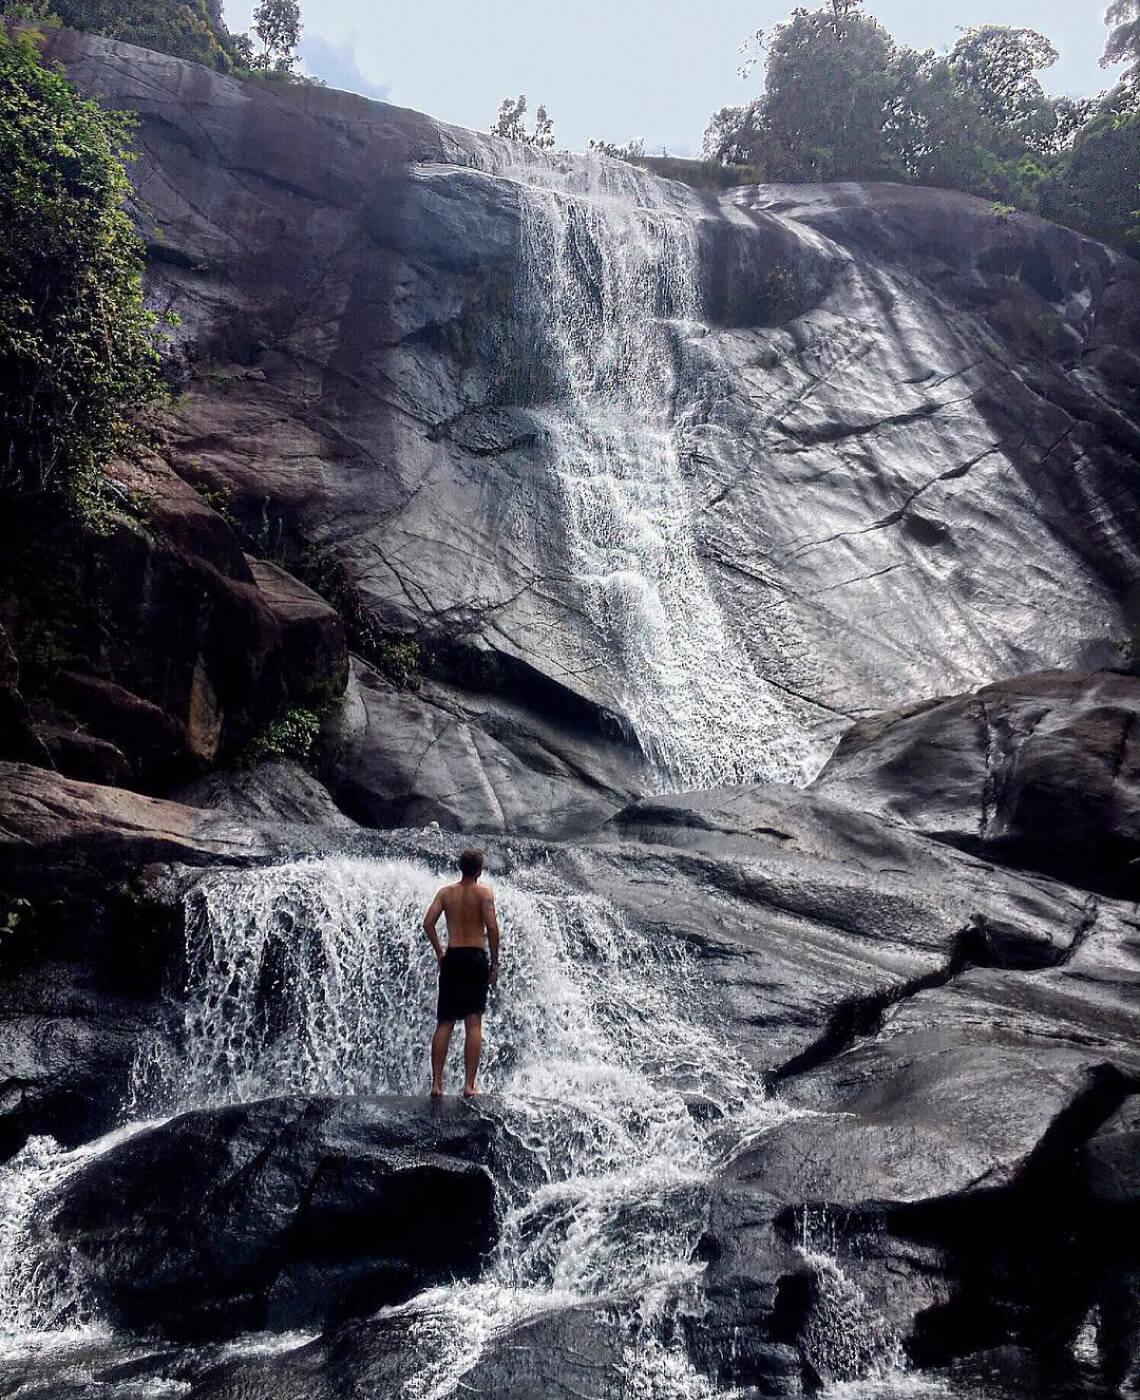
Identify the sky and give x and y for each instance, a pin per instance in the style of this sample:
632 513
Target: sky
618 70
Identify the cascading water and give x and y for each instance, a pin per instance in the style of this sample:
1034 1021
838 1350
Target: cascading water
315 977
610 279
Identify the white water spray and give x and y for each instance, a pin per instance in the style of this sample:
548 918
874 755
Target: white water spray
316 977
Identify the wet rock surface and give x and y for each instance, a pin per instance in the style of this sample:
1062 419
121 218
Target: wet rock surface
947 397
907 430
280 1214
471 762
1041 771
152 650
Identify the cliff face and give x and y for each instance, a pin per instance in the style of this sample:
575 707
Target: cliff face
891 447
664 490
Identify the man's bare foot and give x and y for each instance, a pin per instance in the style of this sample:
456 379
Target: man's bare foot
470 1092
436 1092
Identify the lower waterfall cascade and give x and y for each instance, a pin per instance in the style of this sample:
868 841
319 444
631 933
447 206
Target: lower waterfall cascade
596 1045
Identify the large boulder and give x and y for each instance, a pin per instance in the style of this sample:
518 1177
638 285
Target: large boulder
952 1032
153 649
279 1214
471 762
1041 771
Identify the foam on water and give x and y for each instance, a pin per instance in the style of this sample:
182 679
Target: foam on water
314 977
41 1302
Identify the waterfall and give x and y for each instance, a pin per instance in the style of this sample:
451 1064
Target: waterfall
610 281
315 977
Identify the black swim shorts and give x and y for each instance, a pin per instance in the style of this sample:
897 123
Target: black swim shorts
463 981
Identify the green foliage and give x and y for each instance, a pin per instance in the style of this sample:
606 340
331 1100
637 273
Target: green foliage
997 66
511 123
277 24
631 151
190 29
1123 43
1097 188
291 736
826 99
394 655
842 101
78 356
398 658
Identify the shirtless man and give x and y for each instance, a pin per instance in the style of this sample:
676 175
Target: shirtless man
465 972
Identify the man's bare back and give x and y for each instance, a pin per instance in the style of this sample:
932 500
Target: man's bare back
466 906
465 971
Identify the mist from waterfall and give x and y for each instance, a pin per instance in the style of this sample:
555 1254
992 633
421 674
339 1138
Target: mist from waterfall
610 280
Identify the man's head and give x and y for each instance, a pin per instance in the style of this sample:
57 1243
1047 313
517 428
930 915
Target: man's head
471 864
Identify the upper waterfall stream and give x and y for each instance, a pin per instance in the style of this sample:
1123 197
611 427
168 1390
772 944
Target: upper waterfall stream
610 279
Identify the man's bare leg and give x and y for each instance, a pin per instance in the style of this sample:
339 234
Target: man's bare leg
472 1049
440 1042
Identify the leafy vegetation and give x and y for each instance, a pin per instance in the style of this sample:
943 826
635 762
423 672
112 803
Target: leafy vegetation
78 348
511 123
190 29
277 25
843 101
393 654
291 736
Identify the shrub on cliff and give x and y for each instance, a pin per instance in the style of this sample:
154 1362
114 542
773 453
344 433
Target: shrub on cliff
190 29
77 345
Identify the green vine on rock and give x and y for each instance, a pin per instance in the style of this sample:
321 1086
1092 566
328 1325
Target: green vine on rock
79 350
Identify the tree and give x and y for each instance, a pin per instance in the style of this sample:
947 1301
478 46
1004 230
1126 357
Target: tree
826 97
511 123
277 23
735 135
190 29
1123 43
78 358
997 66
1097 187
632 150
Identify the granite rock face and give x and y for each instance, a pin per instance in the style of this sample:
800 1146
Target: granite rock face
1041 771
907 427
958 1033
283 1213
158 649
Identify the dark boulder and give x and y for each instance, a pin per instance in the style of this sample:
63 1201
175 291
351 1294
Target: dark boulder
152 649
1041 771
279 790
472 761
279 1214
954 1032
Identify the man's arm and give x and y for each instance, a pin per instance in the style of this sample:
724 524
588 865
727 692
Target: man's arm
491 920
431 918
